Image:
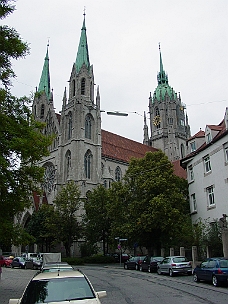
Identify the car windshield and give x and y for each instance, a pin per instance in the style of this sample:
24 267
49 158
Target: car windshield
159 259
180 259
57 290
54 269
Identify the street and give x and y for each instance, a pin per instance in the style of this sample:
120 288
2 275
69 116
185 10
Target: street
127 286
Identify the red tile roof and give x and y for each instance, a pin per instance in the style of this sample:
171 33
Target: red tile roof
197 135
121 148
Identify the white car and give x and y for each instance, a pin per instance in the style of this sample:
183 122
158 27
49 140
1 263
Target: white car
60 287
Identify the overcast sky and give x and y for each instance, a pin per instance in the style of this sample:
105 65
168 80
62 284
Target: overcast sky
123 37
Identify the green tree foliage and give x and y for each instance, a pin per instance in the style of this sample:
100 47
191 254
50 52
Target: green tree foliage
22 143
66 221
152 204
39 227
96 220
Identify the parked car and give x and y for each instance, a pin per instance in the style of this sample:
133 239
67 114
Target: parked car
150 264
36 263
18 262
213 270
61 287
124 257
8 261
133 262
2 261
175 265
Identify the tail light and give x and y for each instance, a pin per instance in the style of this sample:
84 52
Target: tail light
190 263
173 265
220 271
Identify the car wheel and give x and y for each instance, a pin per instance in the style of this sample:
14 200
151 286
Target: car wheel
159 271
215 281
149 270
171 274
136 267
195 278
140 268
124 266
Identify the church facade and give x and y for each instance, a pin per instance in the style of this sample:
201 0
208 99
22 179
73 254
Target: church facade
84 153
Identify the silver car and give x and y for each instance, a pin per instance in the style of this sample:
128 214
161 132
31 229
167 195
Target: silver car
174 265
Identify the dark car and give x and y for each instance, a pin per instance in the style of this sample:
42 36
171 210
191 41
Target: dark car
213 270
133 262
150 264
18 262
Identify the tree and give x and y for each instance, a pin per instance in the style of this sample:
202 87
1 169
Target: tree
96 220
39 228
156 205
66 223
22 144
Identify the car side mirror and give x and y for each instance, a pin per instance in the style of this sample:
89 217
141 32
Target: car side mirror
100 294
14 301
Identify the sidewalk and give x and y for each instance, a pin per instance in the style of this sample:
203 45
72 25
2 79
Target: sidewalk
13 283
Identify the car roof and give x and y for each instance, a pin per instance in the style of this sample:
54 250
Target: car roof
58 274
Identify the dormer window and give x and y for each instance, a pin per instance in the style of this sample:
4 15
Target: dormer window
193 146
208 138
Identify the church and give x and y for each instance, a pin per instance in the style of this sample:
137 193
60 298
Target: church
85 153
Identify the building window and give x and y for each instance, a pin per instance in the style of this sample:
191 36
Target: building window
210 196
190 173
69 135
193 203
87 164
208 138
83 86
226 154
182 151
102 168
88 126
105 184
170 120
68 163
193 146
118 174
207 164
42 111
73 88
182 123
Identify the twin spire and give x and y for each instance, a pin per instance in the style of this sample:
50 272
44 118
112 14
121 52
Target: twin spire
82 58
44 84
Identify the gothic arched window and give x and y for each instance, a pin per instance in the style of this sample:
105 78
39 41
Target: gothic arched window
69 135
88 126
73 88
83 81
118 174
88 164
67 163
42 111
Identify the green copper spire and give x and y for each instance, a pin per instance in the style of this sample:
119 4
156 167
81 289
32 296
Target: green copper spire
44 84
162 77
163 87
82 54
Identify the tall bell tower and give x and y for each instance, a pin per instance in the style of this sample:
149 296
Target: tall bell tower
168 122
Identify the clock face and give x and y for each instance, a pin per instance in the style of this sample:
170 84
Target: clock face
49 178
157 120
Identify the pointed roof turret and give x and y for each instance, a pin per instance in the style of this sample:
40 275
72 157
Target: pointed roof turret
163 87
44 84
83 53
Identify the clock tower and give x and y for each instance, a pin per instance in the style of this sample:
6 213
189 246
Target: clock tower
168 121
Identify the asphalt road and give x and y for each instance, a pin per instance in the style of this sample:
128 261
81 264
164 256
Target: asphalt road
127 286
